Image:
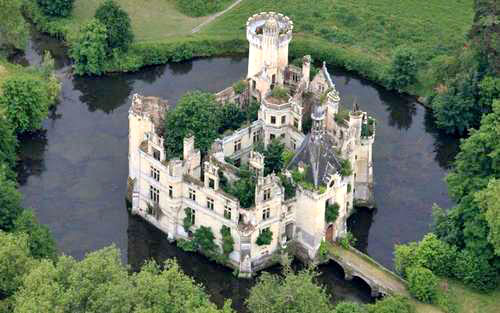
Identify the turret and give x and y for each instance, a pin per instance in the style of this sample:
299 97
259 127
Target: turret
306 70
269 35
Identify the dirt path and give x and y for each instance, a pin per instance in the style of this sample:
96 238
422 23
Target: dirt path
214 16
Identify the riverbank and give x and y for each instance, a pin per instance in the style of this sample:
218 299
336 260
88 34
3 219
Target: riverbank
359 37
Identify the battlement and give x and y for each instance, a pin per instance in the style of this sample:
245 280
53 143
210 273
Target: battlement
269 24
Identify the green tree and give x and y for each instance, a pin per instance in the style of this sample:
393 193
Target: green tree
489 201
56 8
405 257
15 261
197 113
243 188
8 143
41 242
227 240
403 70
10 201
295 292
13 27
475 271
345 168
232 117
117 22
265 237
273 157
422 284
89 51
26 102
204 239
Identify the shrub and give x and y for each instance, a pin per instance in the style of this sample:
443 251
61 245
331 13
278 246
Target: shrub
341 116
323 251
290 189
422 284
345 168
15 262
40 240
253 111
332 212
117 22
405 257
13 29
475 271
26 101
280 93
348 240
186 245
240 86
436 255
232 117
243 188
265 237
201 7
349 307
89 52
8 143
187 222
403 71
56 8
392 304
227 240
10 201
204 239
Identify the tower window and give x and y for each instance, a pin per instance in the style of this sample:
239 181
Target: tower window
170 191
156 154
155 173
210 203
227 212
211 183
283 119
273 119
267 194
266 214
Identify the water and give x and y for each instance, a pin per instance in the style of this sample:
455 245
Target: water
73 173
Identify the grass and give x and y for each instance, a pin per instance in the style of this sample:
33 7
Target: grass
471 301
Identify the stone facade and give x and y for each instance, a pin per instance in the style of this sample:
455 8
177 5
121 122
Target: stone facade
162 189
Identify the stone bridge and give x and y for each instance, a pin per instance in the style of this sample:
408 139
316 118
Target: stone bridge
357 264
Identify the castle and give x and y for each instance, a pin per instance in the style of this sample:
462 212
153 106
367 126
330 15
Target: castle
331 168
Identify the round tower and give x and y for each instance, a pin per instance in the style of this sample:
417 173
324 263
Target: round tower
269 35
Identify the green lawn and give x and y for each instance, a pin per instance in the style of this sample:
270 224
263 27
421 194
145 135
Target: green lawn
151 19
471 301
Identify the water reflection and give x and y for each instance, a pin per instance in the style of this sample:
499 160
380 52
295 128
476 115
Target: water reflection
31 155
146 242
446 147
359 225
401 110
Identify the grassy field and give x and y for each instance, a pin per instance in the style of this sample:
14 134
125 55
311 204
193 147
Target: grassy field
471 301
359 35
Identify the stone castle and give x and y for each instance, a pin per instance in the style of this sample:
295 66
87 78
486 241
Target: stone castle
164 191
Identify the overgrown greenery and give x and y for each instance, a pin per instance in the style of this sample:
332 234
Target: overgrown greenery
244 188
348 240
227 240
280 93
240 86
187 221
423 284
89 51
56 8
332 212
274 156
204 240
345 168
201 7
290 189
118 25
13 27
403 68
368 128
342 116
265 237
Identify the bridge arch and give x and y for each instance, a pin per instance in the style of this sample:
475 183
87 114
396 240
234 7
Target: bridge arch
366 285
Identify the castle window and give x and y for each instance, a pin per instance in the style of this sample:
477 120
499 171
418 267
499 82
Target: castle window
227 212
192 194
256 137
266 214
210 203
294 144
154 194
193 215
237 145
170 191
211 183
267 194
283 119
156 154
296 123
273 119
271 137
237 162
155 173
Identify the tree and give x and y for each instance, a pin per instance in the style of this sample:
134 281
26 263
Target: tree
15 261
475 271
231 117
295 292
117 22
243 188
227 240
26 102
204 239
489 201
89 51
8 142
13 27
197 113
403 70
10 201
273 157
265 237
56 8
405 257
41 242
422 284
345 168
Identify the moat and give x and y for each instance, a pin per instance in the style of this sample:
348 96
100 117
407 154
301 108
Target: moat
73 173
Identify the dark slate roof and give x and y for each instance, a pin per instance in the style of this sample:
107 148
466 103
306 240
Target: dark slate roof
319 156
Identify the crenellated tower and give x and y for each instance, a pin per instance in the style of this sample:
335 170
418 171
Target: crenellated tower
269 35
